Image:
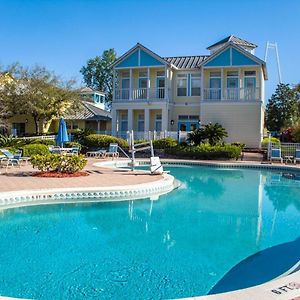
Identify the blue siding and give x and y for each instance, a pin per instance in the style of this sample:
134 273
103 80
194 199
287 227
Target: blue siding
130 61
239 59
148 60
223 59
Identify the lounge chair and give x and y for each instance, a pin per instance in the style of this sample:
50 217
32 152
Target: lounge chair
297 156
112 151
13 159
97 153
75 151
276 155
55 150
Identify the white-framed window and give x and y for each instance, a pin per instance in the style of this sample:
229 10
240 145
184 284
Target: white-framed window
160 73
195 84
141 122
250 73
158 122
181 84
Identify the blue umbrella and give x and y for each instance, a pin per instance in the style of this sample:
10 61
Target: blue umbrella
62 135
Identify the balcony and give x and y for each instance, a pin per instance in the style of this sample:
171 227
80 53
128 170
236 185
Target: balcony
140 94
232 94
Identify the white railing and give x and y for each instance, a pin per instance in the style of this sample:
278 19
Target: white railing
232 94
40 137
140 94
287 149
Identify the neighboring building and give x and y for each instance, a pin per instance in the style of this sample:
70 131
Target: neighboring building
93 115
179 93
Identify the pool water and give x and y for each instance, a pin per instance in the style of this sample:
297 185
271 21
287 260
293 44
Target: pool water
181 245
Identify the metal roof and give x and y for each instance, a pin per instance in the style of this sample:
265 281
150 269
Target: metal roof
186 62
235 40
89 112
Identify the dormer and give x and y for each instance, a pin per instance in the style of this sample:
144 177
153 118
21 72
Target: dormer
92 96
250 47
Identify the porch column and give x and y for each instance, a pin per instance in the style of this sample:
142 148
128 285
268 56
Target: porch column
98 126
164 120
202 84
130 119
166 82
222 84
146 119
148 83
114 84
130 84
239 85
114 122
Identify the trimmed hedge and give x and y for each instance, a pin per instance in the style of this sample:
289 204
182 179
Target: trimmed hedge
165 143
206 151
59 163
34 149
103 141
73 144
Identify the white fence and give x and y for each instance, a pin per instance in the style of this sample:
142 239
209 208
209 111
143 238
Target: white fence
41 137
287 149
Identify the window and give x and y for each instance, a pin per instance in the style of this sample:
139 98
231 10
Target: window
141 122
124 122
125 74
181 85
232 74
195 84
250 73
158 119
160 73
215 74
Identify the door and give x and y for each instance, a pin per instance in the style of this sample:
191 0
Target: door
232 89
215 88
142 93
250 88
160 84
125 88
182 126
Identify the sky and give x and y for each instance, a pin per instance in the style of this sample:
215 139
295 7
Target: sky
63 34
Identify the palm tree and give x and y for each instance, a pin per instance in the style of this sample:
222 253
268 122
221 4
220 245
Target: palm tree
215 133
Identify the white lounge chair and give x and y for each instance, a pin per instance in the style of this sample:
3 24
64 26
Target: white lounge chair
112 150
276 155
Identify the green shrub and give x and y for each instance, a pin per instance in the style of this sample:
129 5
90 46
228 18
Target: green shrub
103 141
33 149
73 144
296 133
41 141
265 141
207 151
58 163
241 145
165 143
9 141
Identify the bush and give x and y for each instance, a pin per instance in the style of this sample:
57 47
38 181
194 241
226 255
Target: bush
41 141
165 143
34 149
206 151
241 145
103 141
73 144
58 163
9 141
296 133
264 143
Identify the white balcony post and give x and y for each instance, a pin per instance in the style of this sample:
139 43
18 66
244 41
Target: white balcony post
166 82
148 82
222 84
202 84
114 121
114 84
146 119
239 84
130 84
164 119
130 119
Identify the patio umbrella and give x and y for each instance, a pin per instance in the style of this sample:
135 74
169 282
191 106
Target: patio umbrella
62 135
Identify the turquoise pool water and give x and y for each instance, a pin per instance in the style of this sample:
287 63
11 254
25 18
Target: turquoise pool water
181 245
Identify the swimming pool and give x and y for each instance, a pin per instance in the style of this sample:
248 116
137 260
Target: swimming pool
181 245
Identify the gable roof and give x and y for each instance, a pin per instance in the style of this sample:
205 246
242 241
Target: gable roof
133 49
235 40
240 49
89 112
186 62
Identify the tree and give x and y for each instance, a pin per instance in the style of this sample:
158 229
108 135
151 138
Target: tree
98 74
213 133
282 109
39 93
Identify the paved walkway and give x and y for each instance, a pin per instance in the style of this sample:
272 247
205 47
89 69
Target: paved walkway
18 179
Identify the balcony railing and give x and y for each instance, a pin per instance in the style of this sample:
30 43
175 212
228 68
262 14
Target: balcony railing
140 94
232 94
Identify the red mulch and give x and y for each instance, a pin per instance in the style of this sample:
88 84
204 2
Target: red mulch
60 175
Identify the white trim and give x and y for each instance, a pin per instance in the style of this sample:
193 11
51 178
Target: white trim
139 57
139 67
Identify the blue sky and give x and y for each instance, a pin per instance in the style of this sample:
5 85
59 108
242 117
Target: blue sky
63 34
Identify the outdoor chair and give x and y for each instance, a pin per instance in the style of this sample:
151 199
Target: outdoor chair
112 151
276 155
297 156
55 150
11 159
97 153
75 151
